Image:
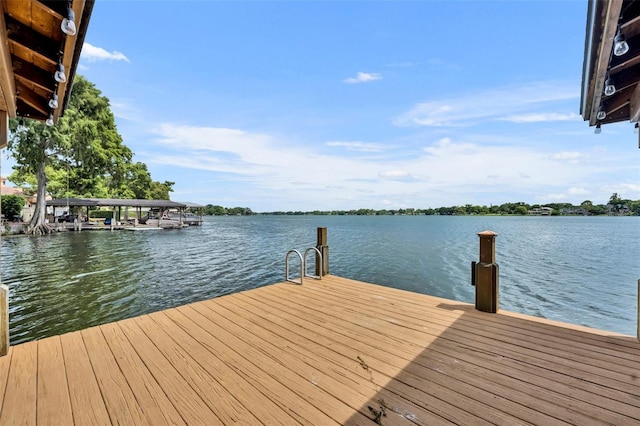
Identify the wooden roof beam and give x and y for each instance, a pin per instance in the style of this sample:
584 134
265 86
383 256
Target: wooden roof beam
7 83
42 46
30 73
32 99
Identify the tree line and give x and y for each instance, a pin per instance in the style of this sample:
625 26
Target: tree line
81 156
616 204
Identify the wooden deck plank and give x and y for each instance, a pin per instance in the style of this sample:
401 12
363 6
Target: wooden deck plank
466 330
325 363
581 411
19 405
373 347
193 362
54 404
322 353
5 362
153 401
568 359
189 403
251 363
584 390
87 403
622 356
118 397
356 398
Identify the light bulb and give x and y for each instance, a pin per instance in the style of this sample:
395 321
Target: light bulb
68 25
602 114
49 121
609 87
598 129
53 102
620 45
60 75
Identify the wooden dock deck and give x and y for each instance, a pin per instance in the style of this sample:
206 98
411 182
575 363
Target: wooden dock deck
335 351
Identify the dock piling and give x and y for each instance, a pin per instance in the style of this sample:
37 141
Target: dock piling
322 262
4 320
485 275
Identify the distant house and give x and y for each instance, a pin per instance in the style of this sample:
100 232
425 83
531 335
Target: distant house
576 211
541 211
618 210
30 200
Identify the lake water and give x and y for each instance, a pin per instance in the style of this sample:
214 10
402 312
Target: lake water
582 270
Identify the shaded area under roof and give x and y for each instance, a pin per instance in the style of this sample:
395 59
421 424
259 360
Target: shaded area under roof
113 202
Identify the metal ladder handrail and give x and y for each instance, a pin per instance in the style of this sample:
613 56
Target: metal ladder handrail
302 269
318 262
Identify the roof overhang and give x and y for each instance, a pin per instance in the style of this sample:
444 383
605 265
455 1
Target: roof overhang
32 44
605 18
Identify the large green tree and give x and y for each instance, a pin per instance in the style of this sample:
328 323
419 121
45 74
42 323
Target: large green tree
85 143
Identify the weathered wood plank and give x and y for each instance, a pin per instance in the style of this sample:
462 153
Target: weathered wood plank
5 363
54 403
188 403
84 393
338 375
266 375
155 405
230 381
193 361
118 397
19 405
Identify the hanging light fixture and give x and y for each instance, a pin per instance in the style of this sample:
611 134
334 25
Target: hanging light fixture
60 76
53 102
620 45
49 121
635 129
598 129
21 125
602 114
68 25
609 87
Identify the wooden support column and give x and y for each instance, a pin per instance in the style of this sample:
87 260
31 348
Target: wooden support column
324 250
4 320
486 274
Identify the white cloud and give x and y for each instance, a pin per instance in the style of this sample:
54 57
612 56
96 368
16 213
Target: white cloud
577 191
94 54
497 104
572 157
540 117
363 77
445 172
357 146
395 175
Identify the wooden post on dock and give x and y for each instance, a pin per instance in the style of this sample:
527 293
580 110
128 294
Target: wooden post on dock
486 274
638 324
324 250
4 320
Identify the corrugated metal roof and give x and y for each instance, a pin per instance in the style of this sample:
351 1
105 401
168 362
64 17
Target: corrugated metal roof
113 202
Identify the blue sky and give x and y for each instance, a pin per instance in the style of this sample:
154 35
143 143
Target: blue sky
303 105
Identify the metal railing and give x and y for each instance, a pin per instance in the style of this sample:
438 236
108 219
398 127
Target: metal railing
303 265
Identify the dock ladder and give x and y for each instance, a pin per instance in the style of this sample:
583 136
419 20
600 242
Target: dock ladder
303 265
